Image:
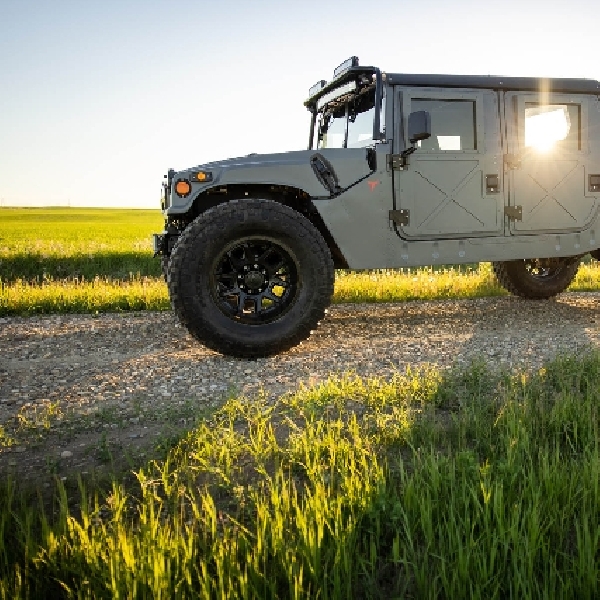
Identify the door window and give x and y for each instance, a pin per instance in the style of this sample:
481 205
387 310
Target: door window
453 124
552 126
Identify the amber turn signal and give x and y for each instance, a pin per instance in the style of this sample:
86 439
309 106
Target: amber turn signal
202 176
183 187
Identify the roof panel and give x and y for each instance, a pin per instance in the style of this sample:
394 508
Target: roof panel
578 86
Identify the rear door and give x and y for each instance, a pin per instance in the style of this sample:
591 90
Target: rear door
452 186
547 161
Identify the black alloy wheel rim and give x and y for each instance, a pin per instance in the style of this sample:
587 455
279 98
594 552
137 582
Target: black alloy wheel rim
255 281
543 270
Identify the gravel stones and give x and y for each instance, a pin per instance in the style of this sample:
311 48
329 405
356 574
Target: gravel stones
135 365
90 362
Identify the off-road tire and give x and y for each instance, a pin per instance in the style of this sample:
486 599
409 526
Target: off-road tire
195 278
535 278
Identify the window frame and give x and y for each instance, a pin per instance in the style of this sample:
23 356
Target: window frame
521 100
408 95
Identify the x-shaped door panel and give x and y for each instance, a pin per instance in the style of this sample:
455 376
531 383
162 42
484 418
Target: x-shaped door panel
445 197
552 195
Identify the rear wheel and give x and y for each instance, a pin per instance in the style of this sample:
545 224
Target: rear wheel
250 278
537 277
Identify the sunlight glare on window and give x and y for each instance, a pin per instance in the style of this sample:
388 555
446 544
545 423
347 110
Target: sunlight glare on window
449 142
546 125
333 140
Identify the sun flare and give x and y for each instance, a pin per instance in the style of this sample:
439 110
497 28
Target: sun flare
546 125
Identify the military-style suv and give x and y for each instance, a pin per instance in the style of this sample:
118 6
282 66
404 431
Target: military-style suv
401 170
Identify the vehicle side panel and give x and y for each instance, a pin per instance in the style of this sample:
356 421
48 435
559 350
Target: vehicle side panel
359 219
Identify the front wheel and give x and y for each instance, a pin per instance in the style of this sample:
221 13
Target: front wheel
250 278
537 278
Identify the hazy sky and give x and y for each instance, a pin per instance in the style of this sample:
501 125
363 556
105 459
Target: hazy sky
98 98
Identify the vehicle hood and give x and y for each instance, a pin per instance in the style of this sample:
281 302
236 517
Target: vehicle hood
278 169
281 168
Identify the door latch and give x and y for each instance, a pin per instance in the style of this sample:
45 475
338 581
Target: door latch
492 184
594 183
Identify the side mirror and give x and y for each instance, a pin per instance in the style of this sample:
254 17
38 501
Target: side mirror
419 126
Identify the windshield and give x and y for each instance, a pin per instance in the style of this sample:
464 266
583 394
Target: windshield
347 122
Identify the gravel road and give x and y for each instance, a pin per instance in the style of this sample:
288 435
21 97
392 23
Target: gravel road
137 366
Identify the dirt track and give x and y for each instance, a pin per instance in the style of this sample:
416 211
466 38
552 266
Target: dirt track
123 381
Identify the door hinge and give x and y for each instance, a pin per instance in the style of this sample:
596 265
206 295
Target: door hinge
514 213
512 161
400 217
396 162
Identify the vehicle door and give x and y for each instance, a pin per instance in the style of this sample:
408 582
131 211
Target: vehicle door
452 185
547 162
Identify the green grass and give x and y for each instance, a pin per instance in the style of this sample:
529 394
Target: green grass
100 260
454 484
60 260
38 245
81 296
417 284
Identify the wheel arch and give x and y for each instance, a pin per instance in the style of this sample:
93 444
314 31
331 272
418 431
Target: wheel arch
293 197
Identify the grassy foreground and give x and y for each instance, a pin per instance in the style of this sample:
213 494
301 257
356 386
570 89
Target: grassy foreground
461 484
100 260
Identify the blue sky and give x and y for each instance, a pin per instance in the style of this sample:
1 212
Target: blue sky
99 98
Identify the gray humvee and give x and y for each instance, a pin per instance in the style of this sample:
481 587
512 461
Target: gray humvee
401 170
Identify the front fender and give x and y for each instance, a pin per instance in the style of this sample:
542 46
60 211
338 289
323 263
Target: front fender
285 169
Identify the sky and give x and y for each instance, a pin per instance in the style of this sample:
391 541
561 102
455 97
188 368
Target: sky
98 98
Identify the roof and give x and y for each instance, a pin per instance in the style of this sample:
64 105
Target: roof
495 82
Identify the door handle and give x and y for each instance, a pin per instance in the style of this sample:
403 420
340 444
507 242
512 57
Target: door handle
492 184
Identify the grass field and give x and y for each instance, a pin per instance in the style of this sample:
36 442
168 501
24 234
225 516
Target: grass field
456 484
462 484
98 260
38 244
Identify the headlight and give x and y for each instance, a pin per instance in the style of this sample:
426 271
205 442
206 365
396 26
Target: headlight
183 188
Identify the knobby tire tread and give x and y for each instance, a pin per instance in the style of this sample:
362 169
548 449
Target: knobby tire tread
211 226
514 278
